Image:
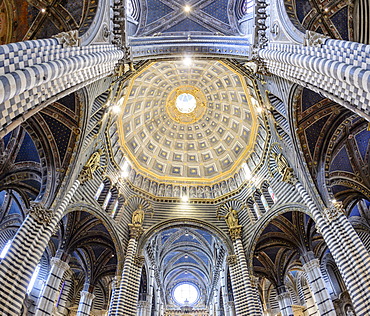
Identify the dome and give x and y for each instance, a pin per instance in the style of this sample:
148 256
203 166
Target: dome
182 123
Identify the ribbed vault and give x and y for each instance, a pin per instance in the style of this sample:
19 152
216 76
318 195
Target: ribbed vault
186 256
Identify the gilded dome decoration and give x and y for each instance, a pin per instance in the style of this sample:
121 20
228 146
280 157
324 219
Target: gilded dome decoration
187 124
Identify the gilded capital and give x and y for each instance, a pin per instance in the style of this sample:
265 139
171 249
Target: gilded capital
40 214
334 211
139 261
232 260
135 231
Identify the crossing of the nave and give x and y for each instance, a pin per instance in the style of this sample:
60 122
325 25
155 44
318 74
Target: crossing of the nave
184 158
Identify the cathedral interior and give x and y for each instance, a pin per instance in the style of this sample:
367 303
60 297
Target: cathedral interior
185 157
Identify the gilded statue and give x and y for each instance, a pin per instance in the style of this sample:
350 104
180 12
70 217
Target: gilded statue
138 216
284 169
281 162
91 166
231 218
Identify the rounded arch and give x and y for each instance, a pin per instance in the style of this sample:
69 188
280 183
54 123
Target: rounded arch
266 220
107 221
185 222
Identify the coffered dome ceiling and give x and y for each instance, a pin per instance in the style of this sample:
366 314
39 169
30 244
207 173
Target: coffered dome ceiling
168 143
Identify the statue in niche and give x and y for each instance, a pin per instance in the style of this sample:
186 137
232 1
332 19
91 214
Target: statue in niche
153 188
224 189
161 190
138 216
138 180
200 192
146 184
169 190
231 218
237 179
208 193
193 193
232 185
176 191
216 190
132 175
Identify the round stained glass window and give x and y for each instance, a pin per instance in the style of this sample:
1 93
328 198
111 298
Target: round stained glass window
186 103
186 294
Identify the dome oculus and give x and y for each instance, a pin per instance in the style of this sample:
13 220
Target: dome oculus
186 103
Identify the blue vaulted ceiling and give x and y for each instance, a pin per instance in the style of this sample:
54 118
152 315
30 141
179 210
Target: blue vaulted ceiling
185 255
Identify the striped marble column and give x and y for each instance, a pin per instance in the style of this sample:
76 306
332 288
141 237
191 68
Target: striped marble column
126 299
339 70
318 288
285 302
251 300
62 304
237 283
114 293
48 295
349 253
86 300
25 253
39 72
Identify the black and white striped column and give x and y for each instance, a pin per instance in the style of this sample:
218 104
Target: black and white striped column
126 300
337 69
42 71
250 301
285 302
48 296
62 304
318 288
86 300
349 253
114 293
28 245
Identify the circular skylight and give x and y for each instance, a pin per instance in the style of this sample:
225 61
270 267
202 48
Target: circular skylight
186 103
186 293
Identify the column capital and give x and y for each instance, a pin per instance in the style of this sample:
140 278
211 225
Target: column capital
135 231
235 232
86 295
68 39
40 214
284 296
311 265
334 211
139 261
232 260
59 263
314 39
